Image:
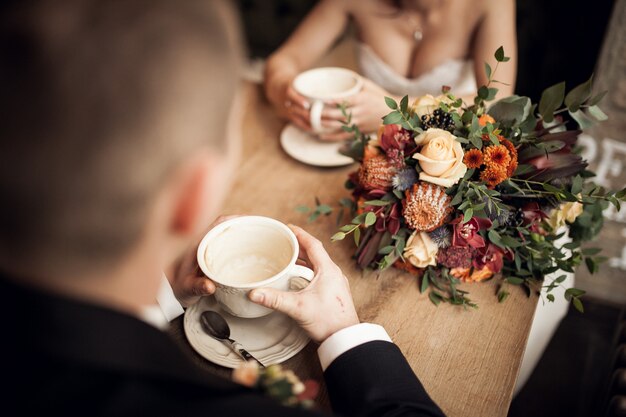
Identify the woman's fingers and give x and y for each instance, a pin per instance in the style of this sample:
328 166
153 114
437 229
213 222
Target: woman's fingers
293 99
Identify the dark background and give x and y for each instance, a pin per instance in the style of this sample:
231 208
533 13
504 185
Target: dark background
557 40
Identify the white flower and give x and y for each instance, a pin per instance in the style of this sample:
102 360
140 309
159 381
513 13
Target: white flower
420 250
441 157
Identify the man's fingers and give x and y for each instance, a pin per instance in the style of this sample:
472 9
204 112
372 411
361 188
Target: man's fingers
312 247
283 301
203 286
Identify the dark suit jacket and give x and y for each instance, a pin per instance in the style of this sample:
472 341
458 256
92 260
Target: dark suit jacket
66 357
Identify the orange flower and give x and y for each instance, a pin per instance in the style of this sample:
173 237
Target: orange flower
376 172
513 152
484 119
405 266
476 276
493 175
497 156
473 158
426 206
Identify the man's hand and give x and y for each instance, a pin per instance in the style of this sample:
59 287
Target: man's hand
186 278
325 306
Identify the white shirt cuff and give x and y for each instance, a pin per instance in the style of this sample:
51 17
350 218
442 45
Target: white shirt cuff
170 306
349 338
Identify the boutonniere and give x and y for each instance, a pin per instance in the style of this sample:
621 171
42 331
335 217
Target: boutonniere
281 385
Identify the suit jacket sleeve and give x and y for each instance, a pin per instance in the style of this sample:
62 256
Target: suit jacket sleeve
374 379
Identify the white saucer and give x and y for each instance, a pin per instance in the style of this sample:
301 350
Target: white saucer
271 339
306 148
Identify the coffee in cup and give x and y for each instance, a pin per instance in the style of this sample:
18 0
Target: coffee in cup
250 252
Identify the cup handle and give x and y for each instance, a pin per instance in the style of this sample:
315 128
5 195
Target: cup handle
315 116
300 277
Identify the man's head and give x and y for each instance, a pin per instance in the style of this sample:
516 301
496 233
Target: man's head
107 107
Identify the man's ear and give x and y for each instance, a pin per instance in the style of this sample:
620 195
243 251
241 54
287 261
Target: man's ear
193 205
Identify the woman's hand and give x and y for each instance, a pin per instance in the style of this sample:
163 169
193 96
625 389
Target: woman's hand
185 276
367 109
325 306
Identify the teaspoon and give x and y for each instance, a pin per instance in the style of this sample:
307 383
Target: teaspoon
216 326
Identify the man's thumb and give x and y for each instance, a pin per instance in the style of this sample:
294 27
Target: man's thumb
282 301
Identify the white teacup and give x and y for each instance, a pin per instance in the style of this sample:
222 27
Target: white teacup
250 252
321 85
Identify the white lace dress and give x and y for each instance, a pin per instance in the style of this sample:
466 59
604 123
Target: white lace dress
459 75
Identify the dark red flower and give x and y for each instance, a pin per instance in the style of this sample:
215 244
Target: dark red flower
395 137
466 234
490 256
533 216
456 256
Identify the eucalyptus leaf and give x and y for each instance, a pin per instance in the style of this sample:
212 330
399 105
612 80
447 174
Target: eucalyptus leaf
578 95
551 99
511 110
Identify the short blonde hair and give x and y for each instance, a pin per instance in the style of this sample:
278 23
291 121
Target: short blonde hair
92 94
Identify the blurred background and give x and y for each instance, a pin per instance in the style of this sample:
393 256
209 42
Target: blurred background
582 371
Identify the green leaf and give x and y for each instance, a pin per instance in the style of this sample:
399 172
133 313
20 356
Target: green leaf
551 100
467 216
488 70
499 55
424 285
550 297
370 219
378 203
386 250
597 113
324 209
491 93
435 298
483 92
591 251
578 305
577 184
573 293
391 103
515 280
597 98
338 236
357 236
404 104
511 110
578 95
392 118
494 237
510 242
502 296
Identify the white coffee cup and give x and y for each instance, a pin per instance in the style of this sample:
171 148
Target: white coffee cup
321 85
250 252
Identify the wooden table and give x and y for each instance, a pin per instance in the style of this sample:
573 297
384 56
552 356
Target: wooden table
468 360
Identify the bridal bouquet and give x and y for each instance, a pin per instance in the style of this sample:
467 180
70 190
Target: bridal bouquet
454 193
